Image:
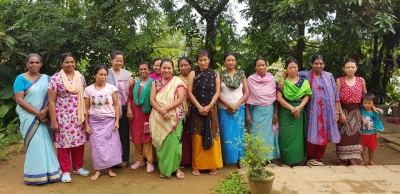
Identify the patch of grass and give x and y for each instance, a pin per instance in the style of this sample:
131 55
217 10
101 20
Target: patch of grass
3 157
233 183
10 134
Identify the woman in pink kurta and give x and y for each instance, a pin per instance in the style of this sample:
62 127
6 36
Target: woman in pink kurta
67 117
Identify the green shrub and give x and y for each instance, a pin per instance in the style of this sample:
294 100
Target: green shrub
9 133
233 183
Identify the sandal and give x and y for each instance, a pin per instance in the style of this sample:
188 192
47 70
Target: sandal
66 178
137 165
82 172
180 175
212 172
150 168
195 172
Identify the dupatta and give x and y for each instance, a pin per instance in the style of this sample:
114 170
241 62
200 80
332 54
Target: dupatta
144 99
36 96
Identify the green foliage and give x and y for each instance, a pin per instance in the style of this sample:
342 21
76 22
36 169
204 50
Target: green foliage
393 89
233 183
9 133
255 156
3 157
9 130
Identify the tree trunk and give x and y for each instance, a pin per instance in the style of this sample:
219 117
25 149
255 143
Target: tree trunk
210 40
374 81
300 46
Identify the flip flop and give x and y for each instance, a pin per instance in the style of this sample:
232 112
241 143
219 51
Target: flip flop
82 172
195 172
180 175
66 178
213 172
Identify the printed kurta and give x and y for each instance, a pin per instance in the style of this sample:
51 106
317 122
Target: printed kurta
70 133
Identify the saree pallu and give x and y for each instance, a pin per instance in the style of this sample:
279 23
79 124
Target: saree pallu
261 117
232 134
165 95
351 137
104 142
170 155
292 135
41 164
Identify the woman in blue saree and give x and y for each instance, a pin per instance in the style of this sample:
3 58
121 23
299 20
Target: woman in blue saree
30 90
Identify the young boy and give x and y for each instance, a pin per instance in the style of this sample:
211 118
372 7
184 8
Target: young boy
371 124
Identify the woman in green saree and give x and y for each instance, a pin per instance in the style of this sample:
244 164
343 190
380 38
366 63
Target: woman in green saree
292 120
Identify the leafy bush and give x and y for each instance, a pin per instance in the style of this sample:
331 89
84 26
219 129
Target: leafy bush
255 156
233 183
9 123
9 133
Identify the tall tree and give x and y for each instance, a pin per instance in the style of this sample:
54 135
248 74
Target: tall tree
215 15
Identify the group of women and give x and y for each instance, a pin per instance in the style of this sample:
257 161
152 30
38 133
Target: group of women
196 118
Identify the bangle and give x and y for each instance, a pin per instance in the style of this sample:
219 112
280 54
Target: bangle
337 112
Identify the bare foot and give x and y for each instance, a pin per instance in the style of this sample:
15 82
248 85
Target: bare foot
353 163
361 163
96 175
372 163
111 173
343 163
179 174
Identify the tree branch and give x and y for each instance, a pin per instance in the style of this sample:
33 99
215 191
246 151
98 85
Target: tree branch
197 7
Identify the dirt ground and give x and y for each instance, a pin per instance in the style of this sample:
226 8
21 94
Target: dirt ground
138 181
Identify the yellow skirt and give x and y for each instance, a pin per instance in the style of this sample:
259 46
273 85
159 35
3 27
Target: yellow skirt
206 159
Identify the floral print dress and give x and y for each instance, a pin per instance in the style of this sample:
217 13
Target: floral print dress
70 133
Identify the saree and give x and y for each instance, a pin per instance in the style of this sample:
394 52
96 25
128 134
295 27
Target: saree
292 131
167 134
170 156
104 142
41 164
165 95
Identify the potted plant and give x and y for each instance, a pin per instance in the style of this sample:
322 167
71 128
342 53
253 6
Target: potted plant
255 158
